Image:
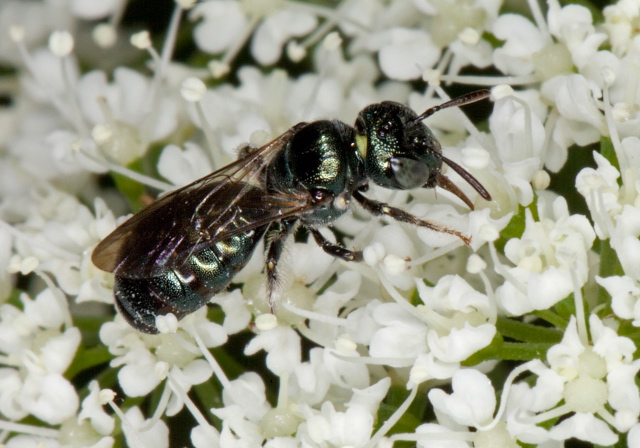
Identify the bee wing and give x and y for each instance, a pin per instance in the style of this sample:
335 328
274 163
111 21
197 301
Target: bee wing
227 202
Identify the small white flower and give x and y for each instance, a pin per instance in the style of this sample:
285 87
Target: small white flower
21 441
325 371
146 360
574 97
398 248
134 377
50 397
276 30
236 313
570 24
519 144
282 345
523 40
400 336
371 397
460 343
468 314
524 400
247 392
204 437
58 352
633 436
92 410
127 107
48 78
220 25
10 387
600 189
625 296
472 402
345 288
183 166
403 53
156 436
245 406
352 427
484 228
584 427
94 10
545 257
64 126
196 372
586 378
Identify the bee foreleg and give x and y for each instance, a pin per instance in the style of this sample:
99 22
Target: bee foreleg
381 209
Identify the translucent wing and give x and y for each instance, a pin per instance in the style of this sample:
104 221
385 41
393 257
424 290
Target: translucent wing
227 202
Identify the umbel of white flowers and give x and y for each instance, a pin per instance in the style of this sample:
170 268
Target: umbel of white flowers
422 311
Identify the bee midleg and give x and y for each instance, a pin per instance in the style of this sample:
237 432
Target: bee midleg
277 237
335 250
381 209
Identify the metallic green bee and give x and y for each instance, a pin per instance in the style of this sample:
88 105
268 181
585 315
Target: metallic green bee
174 255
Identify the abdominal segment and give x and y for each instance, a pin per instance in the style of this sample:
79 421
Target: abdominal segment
185 289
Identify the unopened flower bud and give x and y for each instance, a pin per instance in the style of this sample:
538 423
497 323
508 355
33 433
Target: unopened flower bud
266 322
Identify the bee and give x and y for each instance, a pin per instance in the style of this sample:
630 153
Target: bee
172 256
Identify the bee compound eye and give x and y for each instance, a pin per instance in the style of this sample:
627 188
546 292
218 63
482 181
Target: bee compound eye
409 173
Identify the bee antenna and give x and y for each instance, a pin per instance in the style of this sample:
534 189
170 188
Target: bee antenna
460 101
443 182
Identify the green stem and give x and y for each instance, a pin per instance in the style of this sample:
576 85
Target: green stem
518 351
552 318
526 332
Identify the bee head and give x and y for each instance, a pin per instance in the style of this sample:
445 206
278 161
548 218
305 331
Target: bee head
399 151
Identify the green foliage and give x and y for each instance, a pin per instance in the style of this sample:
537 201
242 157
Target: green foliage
87 358
491 351
609 266
131 189
516 225
411 419
608 152
527 332
567 308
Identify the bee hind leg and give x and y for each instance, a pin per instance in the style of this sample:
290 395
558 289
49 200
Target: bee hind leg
276 239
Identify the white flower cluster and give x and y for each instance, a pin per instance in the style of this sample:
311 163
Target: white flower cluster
409 345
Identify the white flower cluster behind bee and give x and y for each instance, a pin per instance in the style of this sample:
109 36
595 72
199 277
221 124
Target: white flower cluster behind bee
93 110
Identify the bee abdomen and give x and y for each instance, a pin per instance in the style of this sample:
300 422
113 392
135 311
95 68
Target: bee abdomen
184 290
